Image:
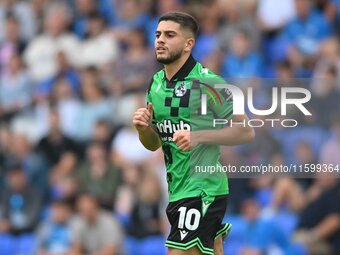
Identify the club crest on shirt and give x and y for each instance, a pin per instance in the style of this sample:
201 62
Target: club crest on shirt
180 90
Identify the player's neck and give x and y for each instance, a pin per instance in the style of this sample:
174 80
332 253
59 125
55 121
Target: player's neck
172 68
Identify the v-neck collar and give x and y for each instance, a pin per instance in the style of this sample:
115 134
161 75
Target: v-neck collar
184 70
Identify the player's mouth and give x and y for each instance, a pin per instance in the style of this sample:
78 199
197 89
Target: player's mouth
160 49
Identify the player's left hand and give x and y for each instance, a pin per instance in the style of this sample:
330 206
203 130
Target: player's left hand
185 140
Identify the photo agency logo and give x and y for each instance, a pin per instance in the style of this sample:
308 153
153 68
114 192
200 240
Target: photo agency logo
282 98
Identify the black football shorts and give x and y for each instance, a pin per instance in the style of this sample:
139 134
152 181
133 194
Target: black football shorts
197 222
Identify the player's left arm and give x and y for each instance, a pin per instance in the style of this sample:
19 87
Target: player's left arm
238 133
233 135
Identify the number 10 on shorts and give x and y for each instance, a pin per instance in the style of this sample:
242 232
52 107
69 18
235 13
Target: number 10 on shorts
190 219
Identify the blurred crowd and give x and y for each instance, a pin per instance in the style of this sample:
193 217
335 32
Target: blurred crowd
74 178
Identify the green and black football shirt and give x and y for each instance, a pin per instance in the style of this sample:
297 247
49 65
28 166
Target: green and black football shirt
177 106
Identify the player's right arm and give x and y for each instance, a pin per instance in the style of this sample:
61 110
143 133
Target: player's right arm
147 134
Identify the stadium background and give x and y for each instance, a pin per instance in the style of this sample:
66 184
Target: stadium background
72 74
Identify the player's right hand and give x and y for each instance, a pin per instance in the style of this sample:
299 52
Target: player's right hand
142 118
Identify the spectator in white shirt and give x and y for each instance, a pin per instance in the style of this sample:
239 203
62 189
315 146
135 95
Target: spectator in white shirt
24 12
275 14
15 89
99 47
41 53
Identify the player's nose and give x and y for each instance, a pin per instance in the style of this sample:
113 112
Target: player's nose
160 40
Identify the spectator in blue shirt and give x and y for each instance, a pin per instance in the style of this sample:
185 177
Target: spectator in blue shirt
20 203
54 236
308 29
241 62
331 10
128 15
207 41
65 71
83 9
260 233
94 107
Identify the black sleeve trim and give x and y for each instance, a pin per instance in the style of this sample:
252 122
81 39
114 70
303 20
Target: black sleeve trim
150 85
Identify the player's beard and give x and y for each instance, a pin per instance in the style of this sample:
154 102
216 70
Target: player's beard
173 56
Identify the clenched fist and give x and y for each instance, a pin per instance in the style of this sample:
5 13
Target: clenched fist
142 118
185 140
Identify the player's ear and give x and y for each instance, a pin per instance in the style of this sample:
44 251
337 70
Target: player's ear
189 44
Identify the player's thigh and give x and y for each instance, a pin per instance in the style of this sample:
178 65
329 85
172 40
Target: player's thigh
218 246
192 251
218 249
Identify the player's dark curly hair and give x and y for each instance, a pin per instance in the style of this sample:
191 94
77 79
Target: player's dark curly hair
184 19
